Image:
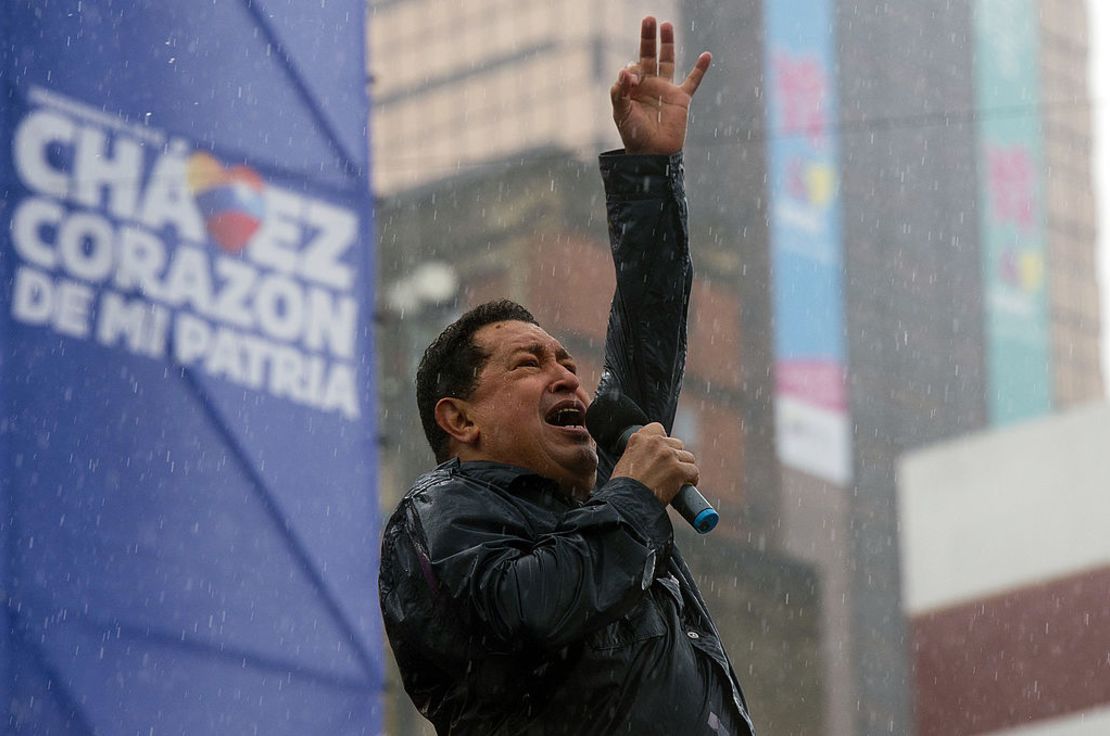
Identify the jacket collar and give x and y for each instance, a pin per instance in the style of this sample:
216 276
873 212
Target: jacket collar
503 475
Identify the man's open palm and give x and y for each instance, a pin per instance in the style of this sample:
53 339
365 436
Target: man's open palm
648 107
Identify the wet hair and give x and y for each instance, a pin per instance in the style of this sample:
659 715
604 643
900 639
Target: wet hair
452 363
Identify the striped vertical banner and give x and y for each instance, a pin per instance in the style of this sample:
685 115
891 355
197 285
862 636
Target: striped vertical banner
811 412
1011 207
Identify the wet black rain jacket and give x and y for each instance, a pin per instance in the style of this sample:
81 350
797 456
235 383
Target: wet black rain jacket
513 609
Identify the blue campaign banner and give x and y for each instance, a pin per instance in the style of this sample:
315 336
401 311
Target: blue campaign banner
812 427
1012 216
188 506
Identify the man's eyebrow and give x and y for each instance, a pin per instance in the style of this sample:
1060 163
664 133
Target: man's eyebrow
534 348
539 349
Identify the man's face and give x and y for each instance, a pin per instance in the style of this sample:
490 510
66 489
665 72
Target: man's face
530 406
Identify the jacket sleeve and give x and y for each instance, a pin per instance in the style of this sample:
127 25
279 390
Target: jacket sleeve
645 345
544 589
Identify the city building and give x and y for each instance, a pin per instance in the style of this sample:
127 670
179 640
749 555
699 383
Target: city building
457 85
524 232
887 176
1006 575
964 232
1071 217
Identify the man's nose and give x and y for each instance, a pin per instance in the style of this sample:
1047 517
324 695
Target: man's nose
566 380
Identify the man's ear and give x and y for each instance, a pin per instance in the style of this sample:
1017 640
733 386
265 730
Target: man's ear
453 417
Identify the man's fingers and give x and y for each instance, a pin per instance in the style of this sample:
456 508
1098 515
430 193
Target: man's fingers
688 466
666 51
615 92
621 90
634 73
647 46
701 66
660 462
627 78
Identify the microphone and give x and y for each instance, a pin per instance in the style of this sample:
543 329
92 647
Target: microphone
612 418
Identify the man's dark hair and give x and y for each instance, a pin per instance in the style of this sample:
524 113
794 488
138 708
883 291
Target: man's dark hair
452 363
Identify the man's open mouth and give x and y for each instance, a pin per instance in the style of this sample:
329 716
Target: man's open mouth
568 415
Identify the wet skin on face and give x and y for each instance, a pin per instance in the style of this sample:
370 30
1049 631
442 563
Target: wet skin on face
529 406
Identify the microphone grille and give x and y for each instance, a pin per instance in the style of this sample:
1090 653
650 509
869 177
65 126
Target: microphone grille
610 414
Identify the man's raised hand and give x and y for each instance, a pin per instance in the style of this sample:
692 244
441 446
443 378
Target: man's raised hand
648 107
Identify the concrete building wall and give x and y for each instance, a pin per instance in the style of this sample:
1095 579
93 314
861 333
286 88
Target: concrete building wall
912 292
726 180
1070 206
816 527
1006 573
461 84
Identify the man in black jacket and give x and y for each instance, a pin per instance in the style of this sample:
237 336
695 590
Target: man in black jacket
516 600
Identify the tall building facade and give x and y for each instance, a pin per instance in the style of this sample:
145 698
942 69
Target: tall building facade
964 234
1070 202
458 85
485 164
855 125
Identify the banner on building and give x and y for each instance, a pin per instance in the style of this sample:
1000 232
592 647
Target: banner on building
1011 207
188 507
811 415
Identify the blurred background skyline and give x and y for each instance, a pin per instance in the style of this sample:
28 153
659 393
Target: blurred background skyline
895 237
231 228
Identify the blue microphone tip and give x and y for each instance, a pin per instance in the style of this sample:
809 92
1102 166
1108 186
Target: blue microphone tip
706 520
